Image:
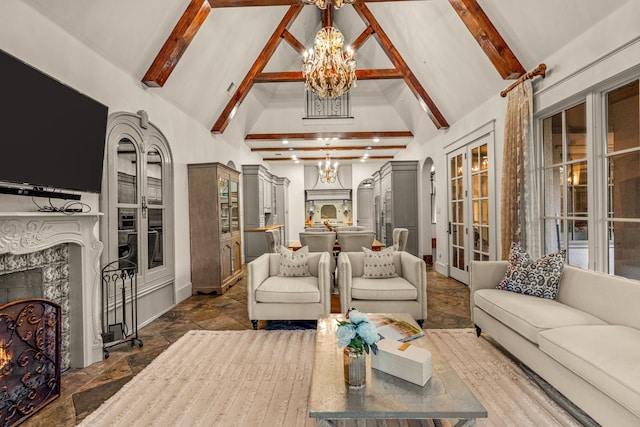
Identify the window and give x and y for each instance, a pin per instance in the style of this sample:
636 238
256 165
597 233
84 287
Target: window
590 170
565 182
623 179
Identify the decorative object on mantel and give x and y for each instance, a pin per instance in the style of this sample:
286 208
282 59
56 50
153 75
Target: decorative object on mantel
357 337
327 69
322 4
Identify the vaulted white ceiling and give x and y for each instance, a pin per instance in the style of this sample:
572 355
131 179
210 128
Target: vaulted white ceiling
430 36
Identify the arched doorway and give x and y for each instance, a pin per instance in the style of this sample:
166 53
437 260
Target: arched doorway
365 199
429 210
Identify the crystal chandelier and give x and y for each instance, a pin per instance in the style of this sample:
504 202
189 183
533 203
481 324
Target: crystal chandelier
327 172
328 70
322 4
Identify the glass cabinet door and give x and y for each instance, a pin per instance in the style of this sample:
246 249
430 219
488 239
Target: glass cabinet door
235 220
223 194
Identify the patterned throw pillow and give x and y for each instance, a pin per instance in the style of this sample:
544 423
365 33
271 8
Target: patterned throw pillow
378 264
294 263
539 278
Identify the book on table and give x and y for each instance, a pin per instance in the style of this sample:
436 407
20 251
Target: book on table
394 329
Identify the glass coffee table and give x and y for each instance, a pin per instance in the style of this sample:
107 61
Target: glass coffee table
385 396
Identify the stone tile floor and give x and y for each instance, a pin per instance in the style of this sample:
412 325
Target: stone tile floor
84 390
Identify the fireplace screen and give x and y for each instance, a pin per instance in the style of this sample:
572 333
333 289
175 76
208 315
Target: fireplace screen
29 358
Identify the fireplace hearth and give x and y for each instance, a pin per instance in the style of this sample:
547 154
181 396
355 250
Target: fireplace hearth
30 358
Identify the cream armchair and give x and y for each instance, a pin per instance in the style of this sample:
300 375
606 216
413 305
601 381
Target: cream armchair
406 293
273 297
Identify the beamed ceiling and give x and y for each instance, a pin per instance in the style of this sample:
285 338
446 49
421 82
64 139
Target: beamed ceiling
233 66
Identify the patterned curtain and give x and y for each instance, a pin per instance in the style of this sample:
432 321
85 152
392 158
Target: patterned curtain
520 196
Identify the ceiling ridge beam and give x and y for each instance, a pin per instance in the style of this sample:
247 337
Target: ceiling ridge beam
296 76
340 135
247 3
398 61
177 43
293 42
336 148
316 159
362 38
259 64
489 38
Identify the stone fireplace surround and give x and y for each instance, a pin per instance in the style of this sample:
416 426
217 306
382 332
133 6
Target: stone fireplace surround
28 232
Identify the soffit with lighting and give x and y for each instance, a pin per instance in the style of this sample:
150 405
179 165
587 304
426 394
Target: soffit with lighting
197 11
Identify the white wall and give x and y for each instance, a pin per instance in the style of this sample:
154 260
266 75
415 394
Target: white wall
35 40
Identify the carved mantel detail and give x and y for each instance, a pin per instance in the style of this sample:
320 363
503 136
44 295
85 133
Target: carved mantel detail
25 232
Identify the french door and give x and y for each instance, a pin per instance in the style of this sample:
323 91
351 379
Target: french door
470 208
137 200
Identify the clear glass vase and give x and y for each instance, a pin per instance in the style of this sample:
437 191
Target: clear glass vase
355 367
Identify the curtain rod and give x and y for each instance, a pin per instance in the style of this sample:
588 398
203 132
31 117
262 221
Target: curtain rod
540 70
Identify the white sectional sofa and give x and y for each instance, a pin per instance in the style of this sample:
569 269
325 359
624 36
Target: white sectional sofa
586 343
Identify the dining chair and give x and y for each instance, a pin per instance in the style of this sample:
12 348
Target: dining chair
354 241
273 240
400 237
320 242
351 228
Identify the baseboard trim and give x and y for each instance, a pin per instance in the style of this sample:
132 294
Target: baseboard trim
183 292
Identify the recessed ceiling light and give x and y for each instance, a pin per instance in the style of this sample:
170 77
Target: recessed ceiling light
362 160
290 148
376 140
285 142
369 148
296 161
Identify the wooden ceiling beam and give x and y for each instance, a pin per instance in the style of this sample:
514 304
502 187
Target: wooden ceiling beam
330 135
359 41
489 39
336 148
319 159
249 3
177 43
296 76
259 64
398 61
293 42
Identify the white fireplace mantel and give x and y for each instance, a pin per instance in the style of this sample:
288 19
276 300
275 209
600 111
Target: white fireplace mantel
25 232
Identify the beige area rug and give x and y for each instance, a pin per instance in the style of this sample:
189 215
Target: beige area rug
262 378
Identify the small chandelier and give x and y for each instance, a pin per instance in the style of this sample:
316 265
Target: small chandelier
322 4
327 172
328 70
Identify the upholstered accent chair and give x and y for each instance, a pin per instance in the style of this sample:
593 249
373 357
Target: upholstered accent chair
404 293
354 241
273 240
271 296
400 236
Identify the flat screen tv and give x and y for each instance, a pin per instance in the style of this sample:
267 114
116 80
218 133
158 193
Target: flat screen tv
52 137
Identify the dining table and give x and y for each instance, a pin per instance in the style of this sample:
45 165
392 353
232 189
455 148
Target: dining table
377 245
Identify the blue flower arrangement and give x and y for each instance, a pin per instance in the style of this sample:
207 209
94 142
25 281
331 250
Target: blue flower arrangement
358 334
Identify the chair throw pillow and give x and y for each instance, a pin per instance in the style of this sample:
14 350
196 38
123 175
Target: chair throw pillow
539 278
294 263
378 264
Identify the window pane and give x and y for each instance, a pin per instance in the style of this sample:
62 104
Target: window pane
623 118
623 249
154 177
553 191
577 182
127 172
624 185
552 140
475 160
155 238
553 235
128 235
576 132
